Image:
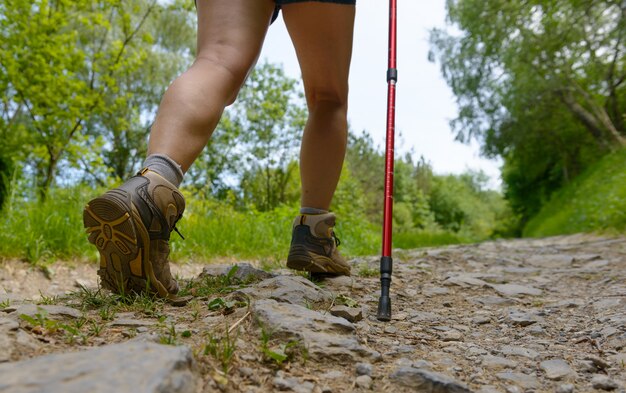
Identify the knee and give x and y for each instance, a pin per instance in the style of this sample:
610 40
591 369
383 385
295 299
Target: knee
324 100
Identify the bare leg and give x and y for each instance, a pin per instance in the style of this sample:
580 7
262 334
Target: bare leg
322 36
230 36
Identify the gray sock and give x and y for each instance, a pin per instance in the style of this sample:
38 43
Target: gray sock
312 210
166 167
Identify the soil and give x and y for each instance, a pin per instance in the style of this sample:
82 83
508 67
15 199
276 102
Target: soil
530 315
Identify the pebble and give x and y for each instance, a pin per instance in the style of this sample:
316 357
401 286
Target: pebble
364 369
565 388
352 314
556 369
364 381
603 382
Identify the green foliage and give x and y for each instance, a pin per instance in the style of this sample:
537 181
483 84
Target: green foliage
539 85
595 201
222 349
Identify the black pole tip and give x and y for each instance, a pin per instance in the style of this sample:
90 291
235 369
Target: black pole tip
384 309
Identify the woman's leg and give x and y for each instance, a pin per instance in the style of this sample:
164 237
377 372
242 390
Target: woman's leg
230 36
322 36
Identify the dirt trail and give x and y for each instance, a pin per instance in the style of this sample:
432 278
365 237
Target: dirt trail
545 315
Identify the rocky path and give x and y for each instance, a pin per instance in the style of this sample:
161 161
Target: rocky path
543 315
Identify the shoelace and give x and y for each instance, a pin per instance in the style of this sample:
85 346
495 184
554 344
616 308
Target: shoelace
337 241
179 234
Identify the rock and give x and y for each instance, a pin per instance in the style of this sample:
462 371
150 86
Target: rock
494 301
364 369
245 272
524 380
128 322
599 363
520 318
433 291
556 369
553 261
15 342
427 381
391 329
293 384
451 335
603 382
324 335
53 312
516 290
519 351
352 314
333 374
128 367
565 388
364 381
496 362
288 289
481 320
465 281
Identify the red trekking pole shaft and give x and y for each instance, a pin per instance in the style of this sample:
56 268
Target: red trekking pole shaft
386 262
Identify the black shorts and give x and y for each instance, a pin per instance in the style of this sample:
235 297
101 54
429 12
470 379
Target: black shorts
283 2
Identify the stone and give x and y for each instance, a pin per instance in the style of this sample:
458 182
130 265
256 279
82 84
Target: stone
14 341
333 374
352 314
451 335
433 291
53 312
553 261
128 322
481 320
603 382
288 289
364 381
496 362
523 380
324 335
494 301
125 368
565 388
293 384
245 272
520 318
516 290
519 351
364 369
556 369
465 281
427 381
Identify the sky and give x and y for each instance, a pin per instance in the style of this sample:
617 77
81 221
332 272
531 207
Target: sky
424 102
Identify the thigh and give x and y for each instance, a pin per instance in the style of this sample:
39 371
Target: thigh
322 36
231 32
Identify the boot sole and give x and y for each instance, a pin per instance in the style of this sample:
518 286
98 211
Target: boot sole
122 240
300 258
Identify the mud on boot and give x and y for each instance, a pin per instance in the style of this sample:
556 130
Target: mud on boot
130 226
314 246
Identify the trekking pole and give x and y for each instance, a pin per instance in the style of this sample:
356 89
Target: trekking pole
386 262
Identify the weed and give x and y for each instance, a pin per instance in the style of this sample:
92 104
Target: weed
40 323
107 313
5 304
95 328
48 300
366 271
171 337
281 352
221 349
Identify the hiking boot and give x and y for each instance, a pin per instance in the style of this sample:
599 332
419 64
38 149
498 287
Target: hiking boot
130 226
314 246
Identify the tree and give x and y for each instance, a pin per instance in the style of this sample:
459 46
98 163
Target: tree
271 111
70 70
544 76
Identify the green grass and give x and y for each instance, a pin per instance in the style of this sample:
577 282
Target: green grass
421 238
44 232
593 202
